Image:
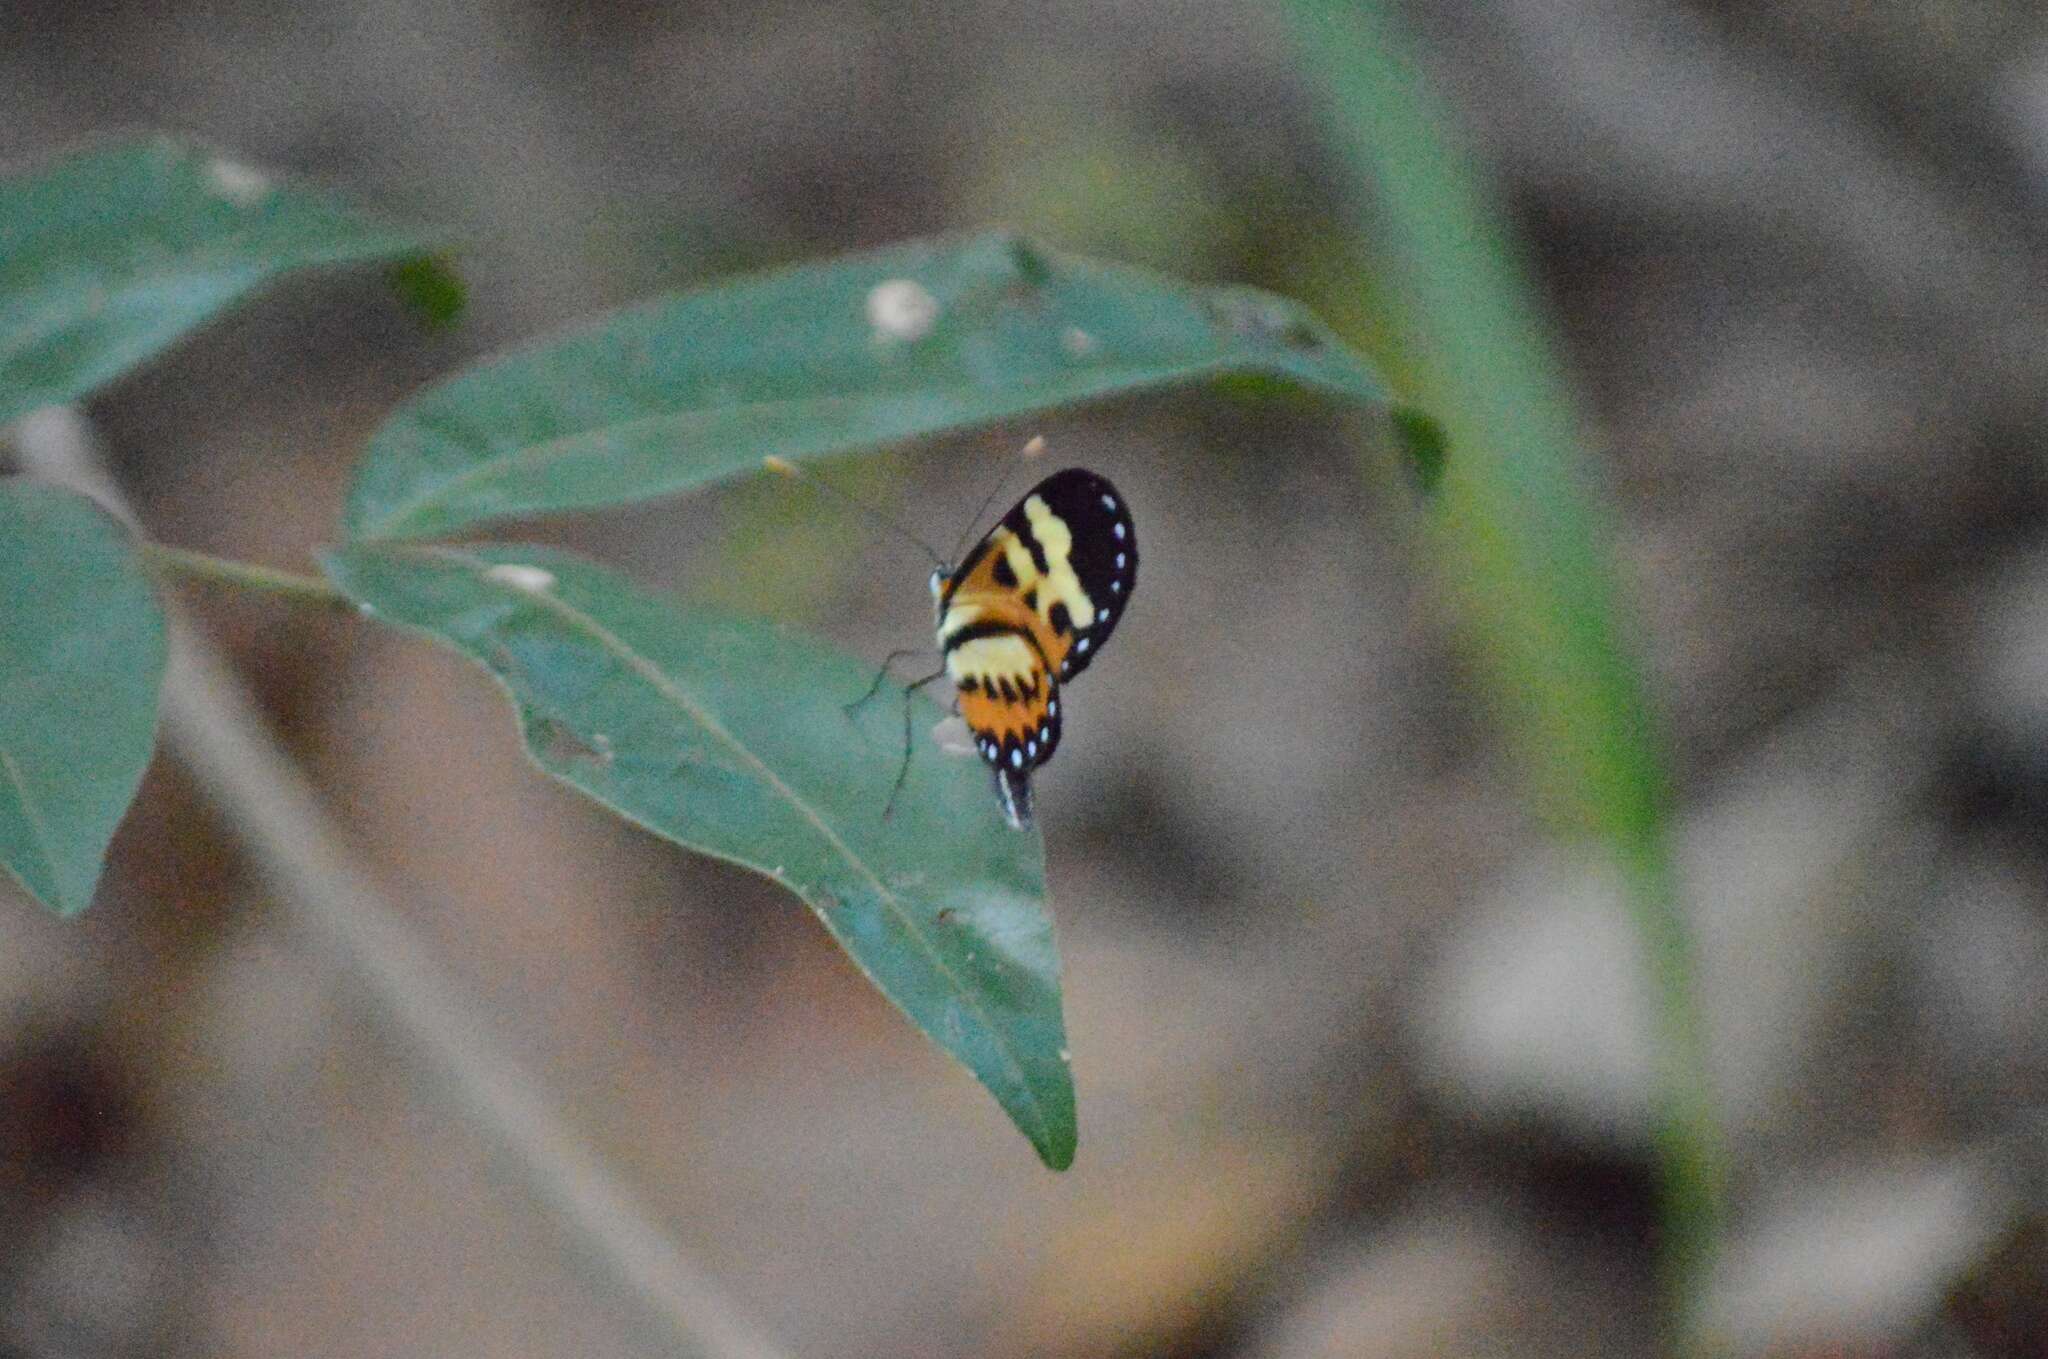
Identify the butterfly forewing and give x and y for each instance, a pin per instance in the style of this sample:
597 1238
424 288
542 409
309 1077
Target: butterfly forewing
1079 527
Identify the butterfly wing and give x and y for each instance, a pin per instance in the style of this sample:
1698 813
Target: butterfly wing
1029 609
1011 704
1068 554
1077 524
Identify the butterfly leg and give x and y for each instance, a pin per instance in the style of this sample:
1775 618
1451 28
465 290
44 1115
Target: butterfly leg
903 771
880 676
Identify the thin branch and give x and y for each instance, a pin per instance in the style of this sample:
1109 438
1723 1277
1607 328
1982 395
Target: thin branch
217 730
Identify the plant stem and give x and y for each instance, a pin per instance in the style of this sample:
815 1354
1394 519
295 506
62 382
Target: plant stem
1525 550
1692 1167
215 726
209 570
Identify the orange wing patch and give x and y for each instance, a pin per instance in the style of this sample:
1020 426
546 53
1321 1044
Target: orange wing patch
1007 696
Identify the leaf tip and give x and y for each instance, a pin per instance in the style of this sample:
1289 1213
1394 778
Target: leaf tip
430 289
65 901
1421 438
1056 1147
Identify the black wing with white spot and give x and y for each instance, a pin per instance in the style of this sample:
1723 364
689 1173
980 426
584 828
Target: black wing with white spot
1100 549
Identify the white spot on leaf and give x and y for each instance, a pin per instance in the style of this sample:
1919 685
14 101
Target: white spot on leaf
902 309
952 736
532 579
238 183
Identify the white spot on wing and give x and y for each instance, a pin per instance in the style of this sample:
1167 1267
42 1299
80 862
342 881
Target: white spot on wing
1016 757
1109 503
1119 561
1119 532
1081 645
1116 587
1052 709
1031 749
902 309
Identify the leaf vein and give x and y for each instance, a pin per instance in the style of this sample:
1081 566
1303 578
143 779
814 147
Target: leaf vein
38 827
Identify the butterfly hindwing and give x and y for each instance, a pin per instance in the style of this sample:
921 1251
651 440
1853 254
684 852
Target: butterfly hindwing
1014 717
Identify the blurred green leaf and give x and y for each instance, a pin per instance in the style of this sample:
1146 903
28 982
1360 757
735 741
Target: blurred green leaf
81 663
430 288
1523 542
109 255
728 736
824 358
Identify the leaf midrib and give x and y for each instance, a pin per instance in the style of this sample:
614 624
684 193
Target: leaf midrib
1101 381
663 685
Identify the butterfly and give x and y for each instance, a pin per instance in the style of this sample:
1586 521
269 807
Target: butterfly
1026 612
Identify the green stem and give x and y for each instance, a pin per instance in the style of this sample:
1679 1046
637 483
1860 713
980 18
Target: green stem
207 570
1691 1160
1525 550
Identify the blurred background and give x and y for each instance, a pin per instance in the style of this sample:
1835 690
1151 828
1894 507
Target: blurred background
1362 1058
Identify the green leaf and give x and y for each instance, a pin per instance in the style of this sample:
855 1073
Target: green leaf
113 253
81 661
827 358
729 736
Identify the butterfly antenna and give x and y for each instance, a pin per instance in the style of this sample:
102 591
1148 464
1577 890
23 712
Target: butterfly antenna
1032 448
784 467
